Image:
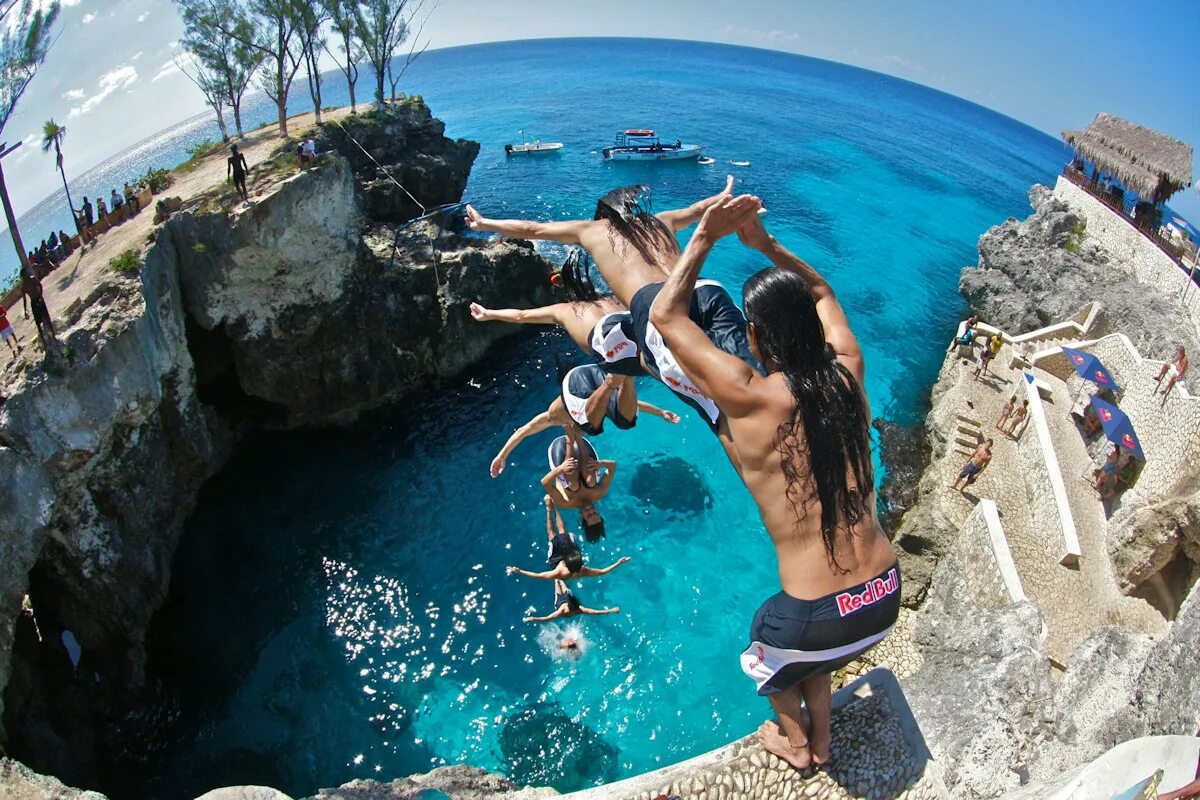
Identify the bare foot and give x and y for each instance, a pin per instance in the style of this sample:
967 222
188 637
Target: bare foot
819 747
773 741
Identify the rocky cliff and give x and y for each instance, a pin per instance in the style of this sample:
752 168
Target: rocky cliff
295 310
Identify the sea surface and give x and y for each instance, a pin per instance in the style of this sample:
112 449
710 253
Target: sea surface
340 607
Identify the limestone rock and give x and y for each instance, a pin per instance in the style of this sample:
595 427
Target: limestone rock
244 793
904 452
18 782
459 782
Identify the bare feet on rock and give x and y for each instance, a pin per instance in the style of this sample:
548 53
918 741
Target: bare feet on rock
773 741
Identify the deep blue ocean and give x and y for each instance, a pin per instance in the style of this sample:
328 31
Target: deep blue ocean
340 607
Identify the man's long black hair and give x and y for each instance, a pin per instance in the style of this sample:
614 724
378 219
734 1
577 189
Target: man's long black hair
828 438
629 212
576 276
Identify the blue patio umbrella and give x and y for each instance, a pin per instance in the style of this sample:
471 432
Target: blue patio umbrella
1117 427
1090 368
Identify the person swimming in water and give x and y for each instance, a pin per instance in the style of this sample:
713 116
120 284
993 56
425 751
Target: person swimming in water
635 250
587 396
564 557
600 324
566 604
802 438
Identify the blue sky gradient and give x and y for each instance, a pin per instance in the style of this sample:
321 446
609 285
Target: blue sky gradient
1053 65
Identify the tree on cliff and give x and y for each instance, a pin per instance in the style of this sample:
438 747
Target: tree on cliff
310 18
23 47
381 27
52 137
268 27
224 64
343 15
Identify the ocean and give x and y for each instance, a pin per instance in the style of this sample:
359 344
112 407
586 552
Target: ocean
340 607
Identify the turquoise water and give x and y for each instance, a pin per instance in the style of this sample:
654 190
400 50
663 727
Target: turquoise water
340 607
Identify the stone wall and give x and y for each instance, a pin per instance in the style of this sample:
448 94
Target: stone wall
1043 480
990 571
1150 265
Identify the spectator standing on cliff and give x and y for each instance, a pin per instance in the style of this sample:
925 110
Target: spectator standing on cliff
1175 368
991 346
101 210
1016 418
32 288
1006 412
237 167
86 210
979 461
7 334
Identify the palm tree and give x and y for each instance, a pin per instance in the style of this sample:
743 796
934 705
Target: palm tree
52 136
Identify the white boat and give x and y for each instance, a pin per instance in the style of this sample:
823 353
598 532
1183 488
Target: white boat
530 148
740 163
706 161
640 144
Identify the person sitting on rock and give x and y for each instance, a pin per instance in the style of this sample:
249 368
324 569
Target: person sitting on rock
566 604
308 153
1176 368
131 199
978 462
801 440
1105 478
565 558
967 337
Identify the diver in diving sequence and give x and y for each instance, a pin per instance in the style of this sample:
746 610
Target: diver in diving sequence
564 557
801 436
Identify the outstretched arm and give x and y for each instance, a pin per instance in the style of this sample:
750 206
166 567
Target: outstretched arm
566 232
535 425
723 377
669 416
597 611
681 218
550 575
833 318
588 572
546 315
558 612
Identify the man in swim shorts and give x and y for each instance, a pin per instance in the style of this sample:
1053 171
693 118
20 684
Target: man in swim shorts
979 459
586 397
1176 369
566 604
565 558
801 437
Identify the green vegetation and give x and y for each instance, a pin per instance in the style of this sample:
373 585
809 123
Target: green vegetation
157 179
199 249
1074 243
201 149
126 263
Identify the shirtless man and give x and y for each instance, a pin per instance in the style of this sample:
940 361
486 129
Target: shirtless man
801 435
635 252
237 167
566 604
586 398
1176 368
979 459
565 558
575 483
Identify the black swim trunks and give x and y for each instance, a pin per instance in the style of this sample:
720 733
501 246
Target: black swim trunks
560 546
613 345
792 639
721 320
578 386
567 597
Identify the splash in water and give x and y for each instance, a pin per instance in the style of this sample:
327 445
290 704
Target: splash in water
563 641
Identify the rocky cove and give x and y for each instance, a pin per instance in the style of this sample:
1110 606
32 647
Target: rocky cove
308 310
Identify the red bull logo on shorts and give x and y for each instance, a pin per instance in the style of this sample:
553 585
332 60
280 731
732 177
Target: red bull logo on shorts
873 591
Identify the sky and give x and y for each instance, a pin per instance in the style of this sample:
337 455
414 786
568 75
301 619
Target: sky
111 80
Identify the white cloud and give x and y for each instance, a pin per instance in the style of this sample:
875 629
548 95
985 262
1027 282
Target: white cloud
69 3
88 18
121 77
891 60
73 94
166 70
774 36
136 56
142 16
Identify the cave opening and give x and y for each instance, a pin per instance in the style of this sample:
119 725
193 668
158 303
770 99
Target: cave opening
1169 587
217 383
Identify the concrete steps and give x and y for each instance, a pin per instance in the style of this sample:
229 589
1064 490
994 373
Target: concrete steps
967 434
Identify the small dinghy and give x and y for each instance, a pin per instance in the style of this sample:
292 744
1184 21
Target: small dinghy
531 148
706 161
740 163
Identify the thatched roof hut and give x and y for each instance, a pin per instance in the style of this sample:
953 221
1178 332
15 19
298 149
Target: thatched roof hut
1148 162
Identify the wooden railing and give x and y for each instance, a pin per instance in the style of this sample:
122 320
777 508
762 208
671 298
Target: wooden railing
1120 205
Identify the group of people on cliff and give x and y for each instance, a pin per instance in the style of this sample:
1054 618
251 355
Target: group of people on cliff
780 386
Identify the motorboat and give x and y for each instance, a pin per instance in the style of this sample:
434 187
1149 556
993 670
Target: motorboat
641 144
706 160
532 148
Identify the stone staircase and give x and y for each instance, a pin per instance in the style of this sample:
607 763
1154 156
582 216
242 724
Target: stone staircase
967 434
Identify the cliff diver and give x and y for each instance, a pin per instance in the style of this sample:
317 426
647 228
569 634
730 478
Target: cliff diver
237 167
600 324
802 437
566 604
564 557
635 251
574 480
587 396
